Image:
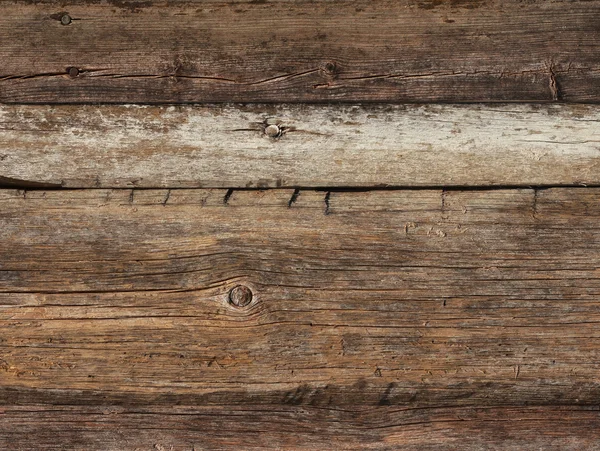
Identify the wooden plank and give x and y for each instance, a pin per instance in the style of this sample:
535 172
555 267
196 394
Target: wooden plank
114 428
359 50
365 146
383 318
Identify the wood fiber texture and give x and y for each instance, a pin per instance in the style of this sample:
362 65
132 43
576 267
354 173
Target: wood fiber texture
296 224
312 146
299 51
413 319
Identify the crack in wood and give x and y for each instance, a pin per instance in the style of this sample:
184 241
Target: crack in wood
227 196
11 182
294 197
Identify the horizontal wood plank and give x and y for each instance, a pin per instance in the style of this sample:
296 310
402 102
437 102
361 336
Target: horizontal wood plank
298 51
184 428
378 319
235 146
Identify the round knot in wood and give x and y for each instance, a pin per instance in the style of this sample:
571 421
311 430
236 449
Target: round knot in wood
240 296
331 68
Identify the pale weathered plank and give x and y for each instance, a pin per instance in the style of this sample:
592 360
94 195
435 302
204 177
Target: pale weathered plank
226 146
359 50
385 319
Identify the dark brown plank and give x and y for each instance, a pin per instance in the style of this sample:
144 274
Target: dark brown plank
298 51
185 428
381 319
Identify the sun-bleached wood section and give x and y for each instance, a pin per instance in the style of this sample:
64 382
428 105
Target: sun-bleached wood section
234 146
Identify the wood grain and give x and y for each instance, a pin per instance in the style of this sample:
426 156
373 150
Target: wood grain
379 319
298 51
114 428
312 146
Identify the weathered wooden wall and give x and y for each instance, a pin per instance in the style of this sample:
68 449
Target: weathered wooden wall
325 266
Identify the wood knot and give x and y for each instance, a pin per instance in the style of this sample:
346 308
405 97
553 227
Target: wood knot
331 68
240 296
65 19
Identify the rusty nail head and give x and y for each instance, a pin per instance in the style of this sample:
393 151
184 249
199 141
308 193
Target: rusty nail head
73 72
240 296
65 19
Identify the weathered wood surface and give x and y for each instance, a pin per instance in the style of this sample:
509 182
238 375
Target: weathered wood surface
114 428
382 319
274 51
317 146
